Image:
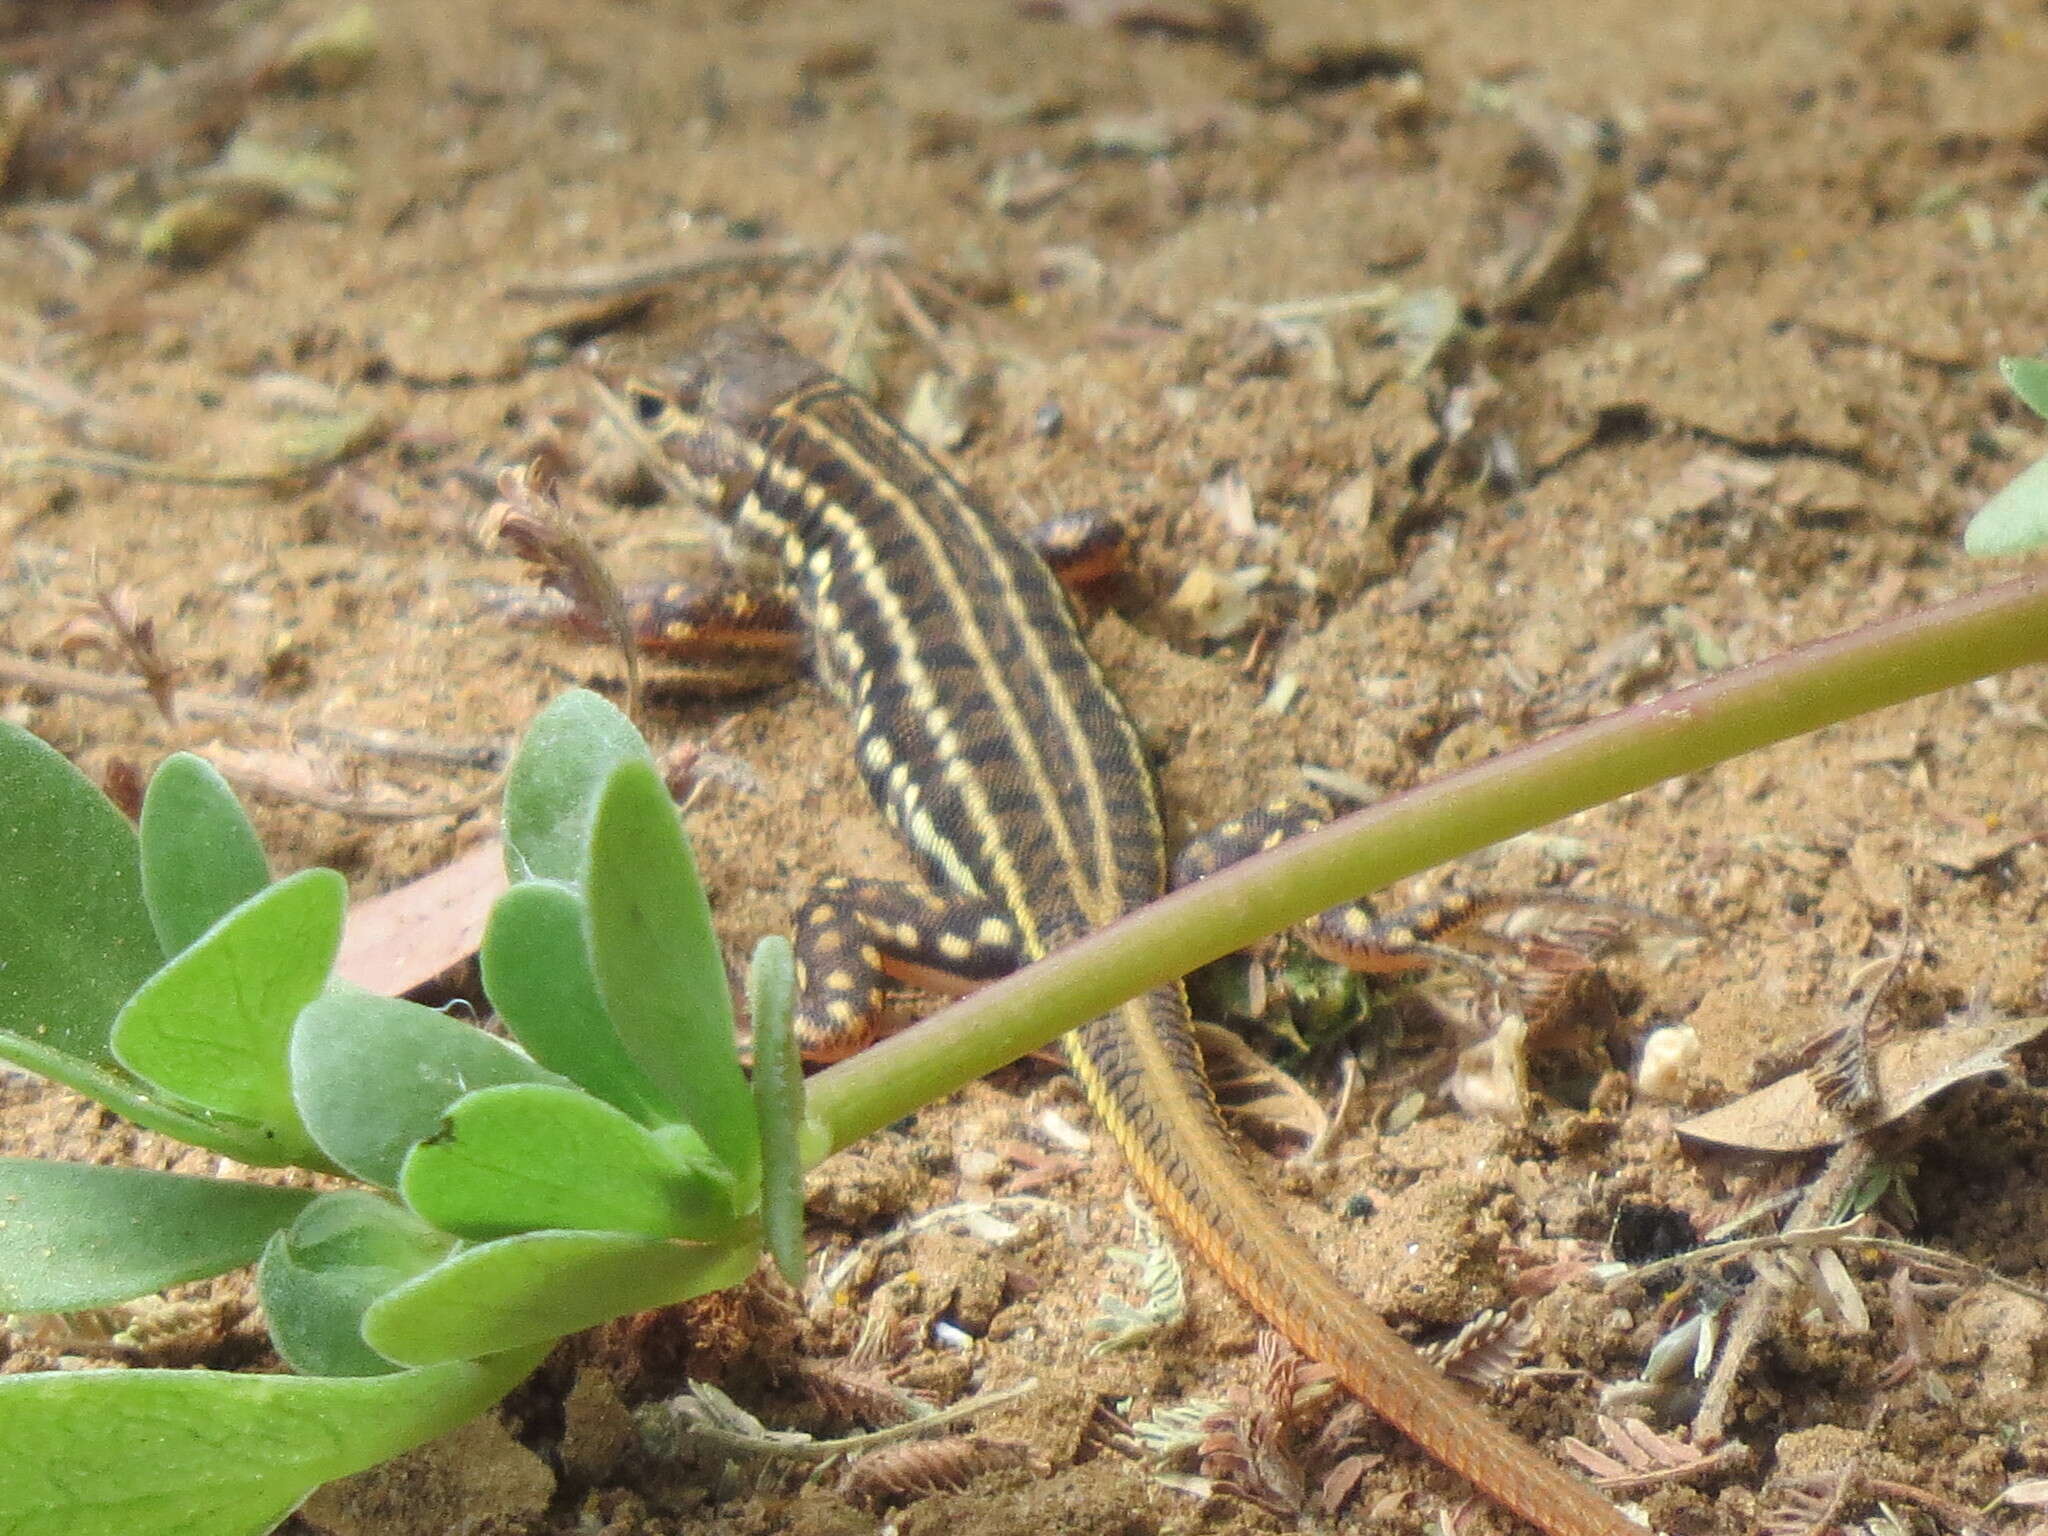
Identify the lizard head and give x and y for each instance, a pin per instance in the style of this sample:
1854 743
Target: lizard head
707 413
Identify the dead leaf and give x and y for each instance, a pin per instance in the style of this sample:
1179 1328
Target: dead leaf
1262 1098
408 936
1788 1116
2030 1492
1642 1457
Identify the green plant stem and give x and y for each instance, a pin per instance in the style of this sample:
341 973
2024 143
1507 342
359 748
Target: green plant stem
1820 684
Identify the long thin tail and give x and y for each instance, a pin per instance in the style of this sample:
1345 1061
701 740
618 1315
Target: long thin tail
1142 1076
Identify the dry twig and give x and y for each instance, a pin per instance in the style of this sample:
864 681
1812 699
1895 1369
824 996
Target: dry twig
529 518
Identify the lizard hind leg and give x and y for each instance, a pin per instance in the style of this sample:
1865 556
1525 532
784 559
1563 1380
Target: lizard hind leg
1455 931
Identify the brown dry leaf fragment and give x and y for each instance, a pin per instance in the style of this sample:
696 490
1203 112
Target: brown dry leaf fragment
1598 1463
1265 1101
1575 1258
122 782
901 1473
1642 1456
1790 1116
1486 1350
1290 1444
112 625
530 521
1914 1329
1644 1448
856 1396
1341 1485
1805 1506
1838 1065
406 937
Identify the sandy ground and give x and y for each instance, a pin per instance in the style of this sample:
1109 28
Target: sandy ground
1542 358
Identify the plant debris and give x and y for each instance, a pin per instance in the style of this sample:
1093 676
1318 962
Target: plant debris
1793 1114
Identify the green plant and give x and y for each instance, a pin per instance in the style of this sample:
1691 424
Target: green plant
166 977
505 1197
2016 519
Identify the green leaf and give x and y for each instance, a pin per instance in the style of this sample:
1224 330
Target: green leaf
2028 378
75 937
373 1075
539 1286
530 1155
552 790
659 969
2015 519
73 1235
200 856
213 1025
536 969
345 1250
205 1453
778 1101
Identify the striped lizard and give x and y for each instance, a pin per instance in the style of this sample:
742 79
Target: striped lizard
989 738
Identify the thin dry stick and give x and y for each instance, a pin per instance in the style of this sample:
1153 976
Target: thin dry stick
151 472
259 783
1846 1234
824 1450
624 278
531 521
135 639
1754 1312
397 745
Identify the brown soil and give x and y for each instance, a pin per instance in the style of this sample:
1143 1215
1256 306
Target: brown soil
1734 277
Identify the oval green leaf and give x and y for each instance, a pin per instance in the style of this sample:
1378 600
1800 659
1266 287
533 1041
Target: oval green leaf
208 1453
528 1156
214 1024
2015 520
659 969
536 969
373 1075
75 935
532 1289
200 857
2028 378
319 1275
551 792
73 1235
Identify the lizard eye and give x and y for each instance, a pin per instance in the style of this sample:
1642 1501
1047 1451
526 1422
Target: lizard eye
649 405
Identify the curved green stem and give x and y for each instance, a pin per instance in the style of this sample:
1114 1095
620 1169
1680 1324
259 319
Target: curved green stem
1820 684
